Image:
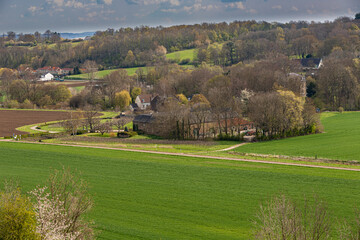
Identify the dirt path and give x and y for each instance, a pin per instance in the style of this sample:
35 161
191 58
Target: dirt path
40 130
203 156
231 148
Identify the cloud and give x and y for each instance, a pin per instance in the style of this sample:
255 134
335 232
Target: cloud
198 6
153 2
59 3
108 2
253 11
74 4
277 7
232 1
238 5
169 10
294 8
34 9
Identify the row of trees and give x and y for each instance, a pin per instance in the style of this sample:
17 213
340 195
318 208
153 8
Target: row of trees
244 40
282 114
89 121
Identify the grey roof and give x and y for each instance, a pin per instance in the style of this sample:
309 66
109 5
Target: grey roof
310 62
144 118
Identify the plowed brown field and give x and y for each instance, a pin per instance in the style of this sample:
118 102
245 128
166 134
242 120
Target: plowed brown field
12 119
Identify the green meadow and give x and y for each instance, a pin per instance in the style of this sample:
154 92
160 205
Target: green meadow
104 73
340 140
148 196
181 55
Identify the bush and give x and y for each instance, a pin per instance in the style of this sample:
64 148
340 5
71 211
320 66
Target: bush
17 216
185 61
80 132
227 137
126 134
26 104
341 109
12 104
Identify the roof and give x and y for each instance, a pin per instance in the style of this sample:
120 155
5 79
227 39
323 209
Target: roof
145 98
144 118
310 62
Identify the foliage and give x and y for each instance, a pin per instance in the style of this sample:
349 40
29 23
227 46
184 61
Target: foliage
17 216
338 141
182 98
281 114
136 91
122 99
227 137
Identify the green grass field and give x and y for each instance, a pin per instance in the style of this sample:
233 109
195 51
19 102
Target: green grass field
181 55
104 73
340 140
147 196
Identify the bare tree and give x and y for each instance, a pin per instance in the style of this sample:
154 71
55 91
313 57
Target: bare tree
121 122
91 120
73 123
71 192
91 68
281 218
105 127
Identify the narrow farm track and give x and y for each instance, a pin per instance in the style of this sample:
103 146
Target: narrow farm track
202 156
40 130
231 148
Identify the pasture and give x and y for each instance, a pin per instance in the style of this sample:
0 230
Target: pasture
340 140
181 55
104 73
148 196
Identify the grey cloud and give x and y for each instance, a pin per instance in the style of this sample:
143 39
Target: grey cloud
232 1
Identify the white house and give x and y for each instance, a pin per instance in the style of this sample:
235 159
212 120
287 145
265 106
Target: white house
47 77
143 101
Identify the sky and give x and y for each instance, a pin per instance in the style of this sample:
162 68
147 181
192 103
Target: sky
28 16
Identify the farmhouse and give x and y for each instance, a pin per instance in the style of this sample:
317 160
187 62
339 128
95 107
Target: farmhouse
149 124
47 77
54 70
310 63
143 101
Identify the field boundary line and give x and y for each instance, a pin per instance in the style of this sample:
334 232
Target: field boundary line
199 156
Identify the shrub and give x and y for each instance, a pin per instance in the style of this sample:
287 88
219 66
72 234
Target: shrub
126 134
227 137
80 132
26 104
185 61
12 104
341 109
17 217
